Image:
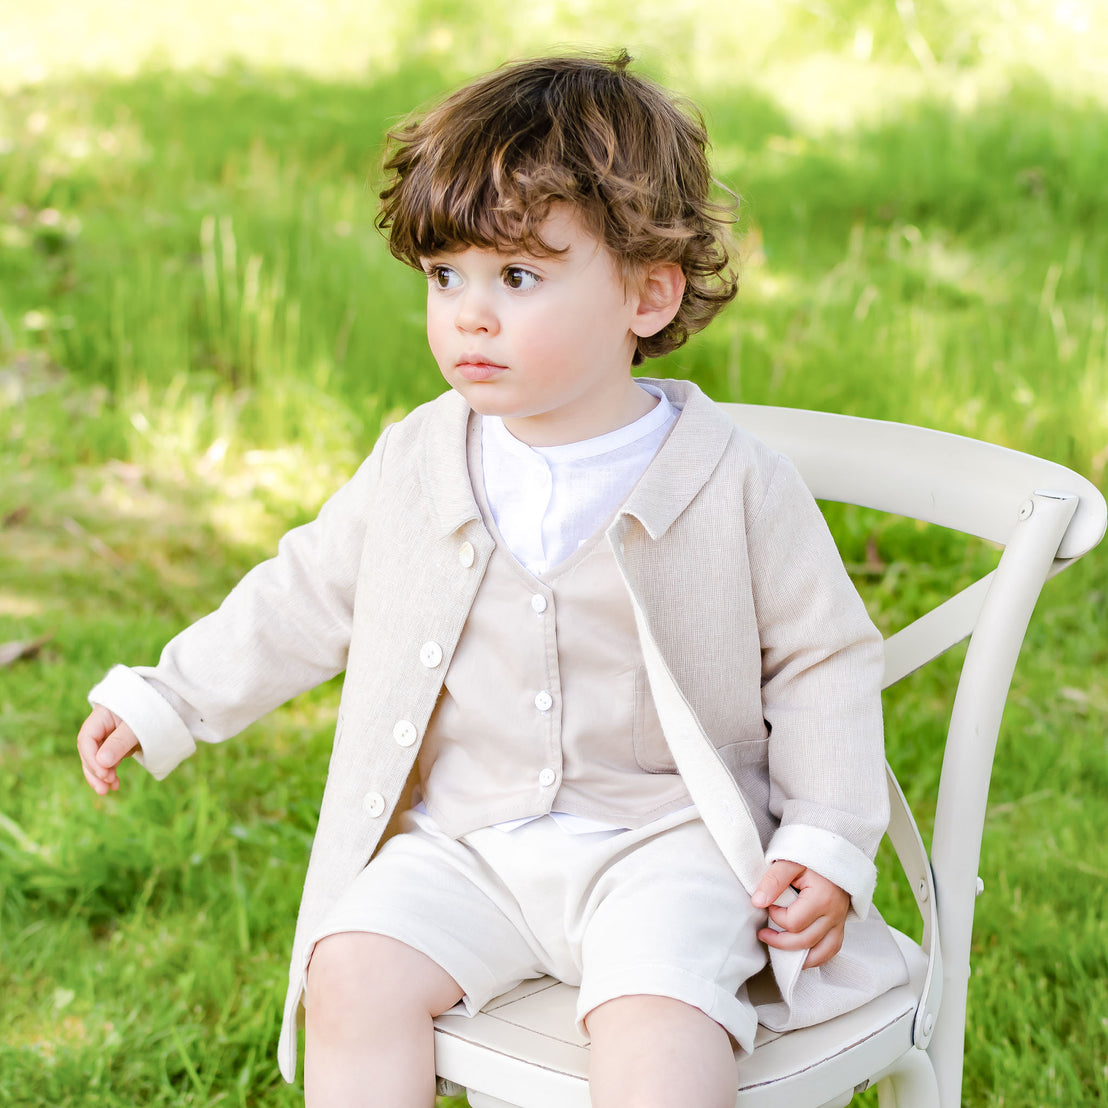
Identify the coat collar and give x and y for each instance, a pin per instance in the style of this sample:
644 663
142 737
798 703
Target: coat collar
443 464
678 472
685 461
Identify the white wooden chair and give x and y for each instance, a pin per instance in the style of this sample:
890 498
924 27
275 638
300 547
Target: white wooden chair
524 1051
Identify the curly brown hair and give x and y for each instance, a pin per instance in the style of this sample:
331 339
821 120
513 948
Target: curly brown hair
485 166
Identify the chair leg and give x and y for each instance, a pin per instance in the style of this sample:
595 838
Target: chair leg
911 1085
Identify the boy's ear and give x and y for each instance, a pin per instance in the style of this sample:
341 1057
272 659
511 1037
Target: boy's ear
660 289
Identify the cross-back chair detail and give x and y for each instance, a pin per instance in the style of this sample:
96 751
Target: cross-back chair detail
523 1050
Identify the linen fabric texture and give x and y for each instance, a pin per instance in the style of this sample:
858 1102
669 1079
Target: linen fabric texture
770 666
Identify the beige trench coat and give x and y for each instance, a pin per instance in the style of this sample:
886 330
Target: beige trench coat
727 559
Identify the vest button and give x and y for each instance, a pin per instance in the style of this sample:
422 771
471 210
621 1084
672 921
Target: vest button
547 778
544 701
374 804
538 603
404 733
466 555
430 654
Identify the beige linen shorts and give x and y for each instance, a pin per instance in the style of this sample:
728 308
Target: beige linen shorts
653 911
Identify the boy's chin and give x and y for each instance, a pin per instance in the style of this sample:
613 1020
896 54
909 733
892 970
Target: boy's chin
482 399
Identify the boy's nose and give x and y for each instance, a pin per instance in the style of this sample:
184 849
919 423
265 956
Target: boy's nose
475 313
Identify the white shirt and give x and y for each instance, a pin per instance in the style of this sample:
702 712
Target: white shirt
548 500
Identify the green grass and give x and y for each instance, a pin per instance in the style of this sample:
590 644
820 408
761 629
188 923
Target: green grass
201 334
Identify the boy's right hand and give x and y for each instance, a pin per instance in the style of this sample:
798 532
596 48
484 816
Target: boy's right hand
103 742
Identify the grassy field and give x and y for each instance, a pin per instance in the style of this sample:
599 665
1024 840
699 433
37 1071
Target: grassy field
201 334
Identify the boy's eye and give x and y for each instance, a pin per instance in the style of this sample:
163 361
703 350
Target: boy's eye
443 277
520 279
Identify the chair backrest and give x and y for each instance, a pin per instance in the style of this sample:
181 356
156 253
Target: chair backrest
1044 516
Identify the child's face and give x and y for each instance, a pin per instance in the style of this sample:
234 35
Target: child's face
544 342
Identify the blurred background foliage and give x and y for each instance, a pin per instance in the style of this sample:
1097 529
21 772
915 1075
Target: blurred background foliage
201 333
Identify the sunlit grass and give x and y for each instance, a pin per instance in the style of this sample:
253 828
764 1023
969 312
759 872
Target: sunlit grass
242 263
201 333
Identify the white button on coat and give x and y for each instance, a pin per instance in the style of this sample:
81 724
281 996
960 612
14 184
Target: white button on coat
430 654
466 555
547 778
544 701
538 603
405 733
374 804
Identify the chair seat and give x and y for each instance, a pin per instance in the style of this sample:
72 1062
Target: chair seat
524 1047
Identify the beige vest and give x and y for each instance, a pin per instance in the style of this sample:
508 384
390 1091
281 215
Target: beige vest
546 705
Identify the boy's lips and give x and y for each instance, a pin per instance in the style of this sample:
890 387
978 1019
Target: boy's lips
475 368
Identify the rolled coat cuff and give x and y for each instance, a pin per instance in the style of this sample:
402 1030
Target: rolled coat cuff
831 856
164 738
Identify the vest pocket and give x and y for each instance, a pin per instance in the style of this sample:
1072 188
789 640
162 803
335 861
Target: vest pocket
651 749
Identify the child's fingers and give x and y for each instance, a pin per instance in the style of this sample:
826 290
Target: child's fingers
103 741
813 921
100 785
788 940
101 779
777 878
94 730
98 725
807 938
796 917
807 909
120 744
825 949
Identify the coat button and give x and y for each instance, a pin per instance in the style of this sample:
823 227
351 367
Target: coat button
374 804
466 555
430 654
544 701
404 733
538 603
547 778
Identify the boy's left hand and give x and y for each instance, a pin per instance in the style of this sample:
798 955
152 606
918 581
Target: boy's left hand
814 921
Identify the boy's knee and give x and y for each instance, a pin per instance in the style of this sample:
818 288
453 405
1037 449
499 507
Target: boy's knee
357 970
337 966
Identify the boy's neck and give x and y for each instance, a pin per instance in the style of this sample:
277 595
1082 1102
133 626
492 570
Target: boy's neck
623 408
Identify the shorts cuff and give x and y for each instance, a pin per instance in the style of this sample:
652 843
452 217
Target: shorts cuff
732 1012
478 983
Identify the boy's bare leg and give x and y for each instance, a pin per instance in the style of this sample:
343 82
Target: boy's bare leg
369 1039
652 1051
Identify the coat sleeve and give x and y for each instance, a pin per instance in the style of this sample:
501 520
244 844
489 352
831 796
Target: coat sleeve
822 665
284 628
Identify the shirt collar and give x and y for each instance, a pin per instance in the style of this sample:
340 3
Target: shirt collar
681 468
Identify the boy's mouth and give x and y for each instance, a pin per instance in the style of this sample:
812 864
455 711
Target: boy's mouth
475 368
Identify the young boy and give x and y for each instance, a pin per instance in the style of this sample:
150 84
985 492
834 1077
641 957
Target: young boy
609 692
